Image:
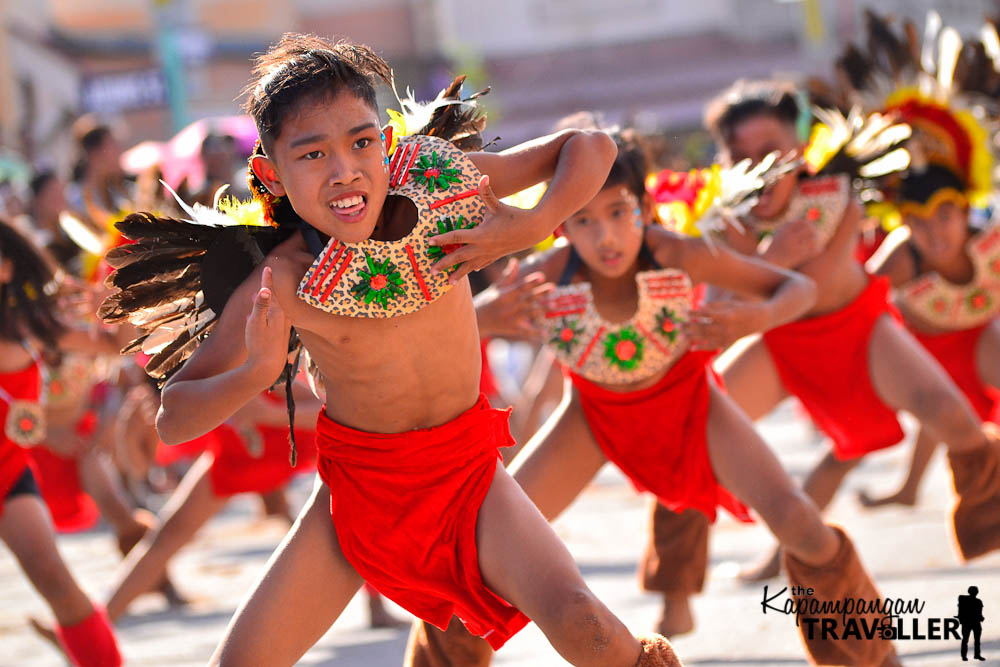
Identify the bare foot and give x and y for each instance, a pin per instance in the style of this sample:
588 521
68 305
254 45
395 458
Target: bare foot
904 498
676 618
768 569
379 616
48 633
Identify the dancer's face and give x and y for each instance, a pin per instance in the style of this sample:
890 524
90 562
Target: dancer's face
940 236
755 138
608 231
329 161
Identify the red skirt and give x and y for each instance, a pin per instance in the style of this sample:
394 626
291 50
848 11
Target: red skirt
823 361
236 470
657 436
956 352
58 479
21 385
405 506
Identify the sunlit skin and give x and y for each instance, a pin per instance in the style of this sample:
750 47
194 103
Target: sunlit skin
901 372
389 375
327 159
940 239
562 458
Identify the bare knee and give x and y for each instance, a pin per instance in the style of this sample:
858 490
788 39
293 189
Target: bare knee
580 619
947 415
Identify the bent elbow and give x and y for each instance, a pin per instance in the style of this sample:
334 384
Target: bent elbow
602 144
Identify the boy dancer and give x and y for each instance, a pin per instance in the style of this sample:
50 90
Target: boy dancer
407 451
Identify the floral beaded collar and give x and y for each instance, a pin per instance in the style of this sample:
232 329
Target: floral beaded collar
822 200
623 352
383 279
952 307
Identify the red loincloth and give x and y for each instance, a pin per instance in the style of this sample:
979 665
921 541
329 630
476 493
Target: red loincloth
58 479
956 352
236 470
487 381
823 361
657 436
405 505
14 459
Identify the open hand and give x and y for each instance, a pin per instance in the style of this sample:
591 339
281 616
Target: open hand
508 309
267 331
717 325
504 230
793 244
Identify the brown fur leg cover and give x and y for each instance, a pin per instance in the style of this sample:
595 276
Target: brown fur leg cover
657 652
976 517
842 578
677 555
455 647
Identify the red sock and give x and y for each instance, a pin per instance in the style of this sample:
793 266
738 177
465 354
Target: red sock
91 642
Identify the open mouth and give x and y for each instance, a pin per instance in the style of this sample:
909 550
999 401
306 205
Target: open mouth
350 207
612 258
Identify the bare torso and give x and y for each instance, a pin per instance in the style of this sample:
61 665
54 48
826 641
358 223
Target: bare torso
389 375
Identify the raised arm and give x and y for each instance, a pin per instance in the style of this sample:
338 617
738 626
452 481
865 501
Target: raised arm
242 357
776 295
576 163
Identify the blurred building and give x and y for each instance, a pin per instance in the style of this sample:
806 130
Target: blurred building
157 63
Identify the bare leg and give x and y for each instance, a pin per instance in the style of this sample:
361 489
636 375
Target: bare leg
753 383
906 377
191 505
923 450
305 587
524 562
98 478
744 465
560 460
26 528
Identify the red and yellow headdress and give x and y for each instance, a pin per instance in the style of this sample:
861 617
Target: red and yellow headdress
943 89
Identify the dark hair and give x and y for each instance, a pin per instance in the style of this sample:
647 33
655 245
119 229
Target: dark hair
920 186
632 164
27 302
304 67
41 178
746 99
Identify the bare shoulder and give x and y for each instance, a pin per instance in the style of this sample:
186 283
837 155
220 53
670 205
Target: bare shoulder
894 258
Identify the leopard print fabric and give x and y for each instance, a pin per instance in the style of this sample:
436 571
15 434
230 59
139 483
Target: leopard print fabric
385 279
955 307
625 352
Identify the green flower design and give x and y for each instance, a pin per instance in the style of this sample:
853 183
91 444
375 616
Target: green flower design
380 283
666 323
435 172
566 335
979 301
624 348
447 224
